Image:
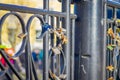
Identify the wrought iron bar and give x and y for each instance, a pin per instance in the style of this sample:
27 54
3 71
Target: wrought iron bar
10 65
52 44
46 44
72 48
58 56
114 63
105 40
113 4
16 8
68 37
27 58
6 73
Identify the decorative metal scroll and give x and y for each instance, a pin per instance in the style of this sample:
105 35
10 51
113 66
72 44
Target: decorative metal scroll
30 68
58 38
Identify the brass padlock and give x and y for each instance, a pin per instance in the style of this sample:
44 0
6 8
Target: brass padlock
111 78
22 35
110 68
111 33
64 39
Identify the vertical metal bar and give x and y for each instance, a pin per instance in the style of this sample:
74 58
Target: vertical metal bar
107 54
52 45
27 61
114 42
108 16
68 36
33 69
111 52
110 26
30 56
114 13
45 44
105 40
64 8
58 56
73 46
89 39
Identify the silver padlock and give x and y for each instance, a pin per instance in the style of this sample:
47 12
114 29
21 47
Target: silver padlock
56 50
63 76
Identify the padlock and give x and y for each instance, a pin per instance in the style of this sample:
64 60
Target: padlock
64 39
117 23
117 37
110 68
59 46
46 27
56 50
63 76
61 30
57 34
57 78
9 51
52 76
111 33
5 46
118 30
22 35
111 78
111 47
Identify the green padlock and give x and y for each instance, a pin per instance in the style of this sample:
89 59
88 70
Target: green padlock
110 47
4 46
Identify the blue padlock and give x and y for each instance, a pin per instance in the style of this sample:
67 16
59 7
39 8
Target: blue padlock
46 27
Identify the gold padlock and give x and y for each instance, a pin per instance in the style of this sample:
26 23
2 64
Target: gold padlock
56 50
110 68
111 78
64 39
22 35
111 33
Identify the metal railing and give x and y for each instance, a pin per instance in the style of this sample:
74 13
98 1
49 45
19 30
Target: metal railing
112 55
50 21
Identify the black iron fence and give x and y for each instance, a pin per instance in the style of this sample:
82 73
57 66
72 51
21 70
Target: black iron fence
112 11
58 42
51 33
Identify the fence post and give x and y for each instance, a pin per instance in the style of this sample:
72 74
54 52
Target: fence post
89 40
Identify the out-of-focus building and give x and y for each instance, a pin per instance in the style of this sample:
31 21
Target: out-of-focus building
12 26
